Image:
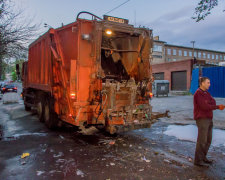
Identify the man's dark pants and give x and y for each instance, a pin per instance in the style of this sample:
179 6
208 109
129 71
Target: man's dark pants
204 139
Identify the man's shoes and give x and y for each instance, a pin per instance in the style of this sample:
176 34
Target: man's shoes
201 164
207 161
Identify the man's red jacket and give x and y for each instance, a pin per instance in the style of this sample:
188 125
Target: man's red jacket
204 104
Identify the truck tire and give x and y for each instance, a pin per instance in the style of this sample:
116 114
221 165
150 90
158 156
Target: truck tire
40 110
50 118
27 108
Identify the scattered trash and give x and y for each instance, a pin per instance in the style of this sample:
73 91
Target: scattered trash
146 160
25 155
139 147
141 170
172 151
58 155
112 164
167 161
61 137
124 145
189 159
40 173
80 173
71 150
156 153
23 162
112 142
130 145
136 121
60 160
153 143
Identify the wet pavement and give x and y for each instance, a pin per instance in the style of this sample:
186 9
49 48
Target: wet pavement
66 154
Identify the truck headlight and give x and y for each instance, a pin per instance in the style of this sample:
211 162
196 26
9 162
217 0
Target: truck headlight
108 32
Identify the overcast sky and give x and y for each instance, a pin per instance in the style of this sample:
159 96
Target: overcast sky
170 20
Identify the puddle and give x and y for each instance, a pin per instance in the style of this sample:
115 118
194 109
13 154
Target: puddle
1 133
190 133
16 136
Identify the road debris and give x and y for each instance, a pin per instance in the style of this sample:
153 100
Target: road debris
25 155
61 137
40 173
111 142
167 161
112 164
58 155
146 160
80 173
23 163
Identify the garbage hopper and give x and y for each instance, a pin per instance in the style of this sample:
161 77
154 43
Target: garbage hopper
160 87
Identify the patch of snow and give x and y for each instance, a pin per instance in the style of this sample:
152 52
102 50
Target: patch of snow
29 134
40 173
190 133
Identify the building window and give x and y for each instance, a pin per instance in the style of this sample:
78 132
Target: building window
157 56
213 56
174 52
169 59
185 53
217 57
195 54
208 56
190 53
157 48
199 54
224 58
169 51
174 59
221 57
180 53
204 55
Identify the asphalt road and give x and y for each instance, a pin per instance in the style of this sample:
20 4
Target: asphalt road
66 154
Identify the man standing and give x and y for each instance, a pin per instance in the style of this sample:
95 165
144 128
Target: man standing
204 104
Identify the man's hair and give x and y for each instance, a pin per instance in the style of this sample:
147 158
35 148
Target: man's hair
203 79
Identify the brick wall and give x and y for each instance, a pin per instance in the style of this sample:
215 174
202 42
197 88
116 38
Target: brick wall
169 67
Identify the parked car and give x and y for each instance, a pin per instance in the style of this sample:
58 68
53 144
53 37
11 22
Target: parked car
1 85
9 88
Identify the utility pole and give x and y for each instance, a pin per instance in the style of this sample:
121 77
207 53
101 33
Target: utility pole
193 46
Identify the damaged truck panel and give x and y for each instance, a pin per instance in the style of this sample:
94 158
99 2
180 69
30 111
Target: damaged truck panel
91 73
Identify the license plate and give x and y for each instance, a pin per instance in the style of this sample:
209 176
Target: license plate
9 89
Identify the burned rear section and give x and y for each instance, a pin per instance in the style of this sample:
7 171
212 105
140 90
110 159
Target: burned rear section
125 75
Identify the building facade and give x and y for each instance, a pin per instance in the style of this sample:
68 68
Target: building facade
163 53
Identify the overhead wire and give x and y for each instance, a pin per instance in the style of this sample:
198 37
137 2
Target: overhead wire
117 7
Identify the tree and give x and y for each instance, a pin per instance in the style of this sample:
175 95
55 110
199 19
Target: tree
15 32
204 9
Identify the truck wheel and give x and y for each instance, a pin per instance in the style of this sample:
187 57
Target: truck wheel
40 111
50 117
27 108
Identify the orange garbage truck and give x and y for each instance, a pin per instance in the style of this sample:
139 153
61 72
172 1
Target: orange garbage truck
92 72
